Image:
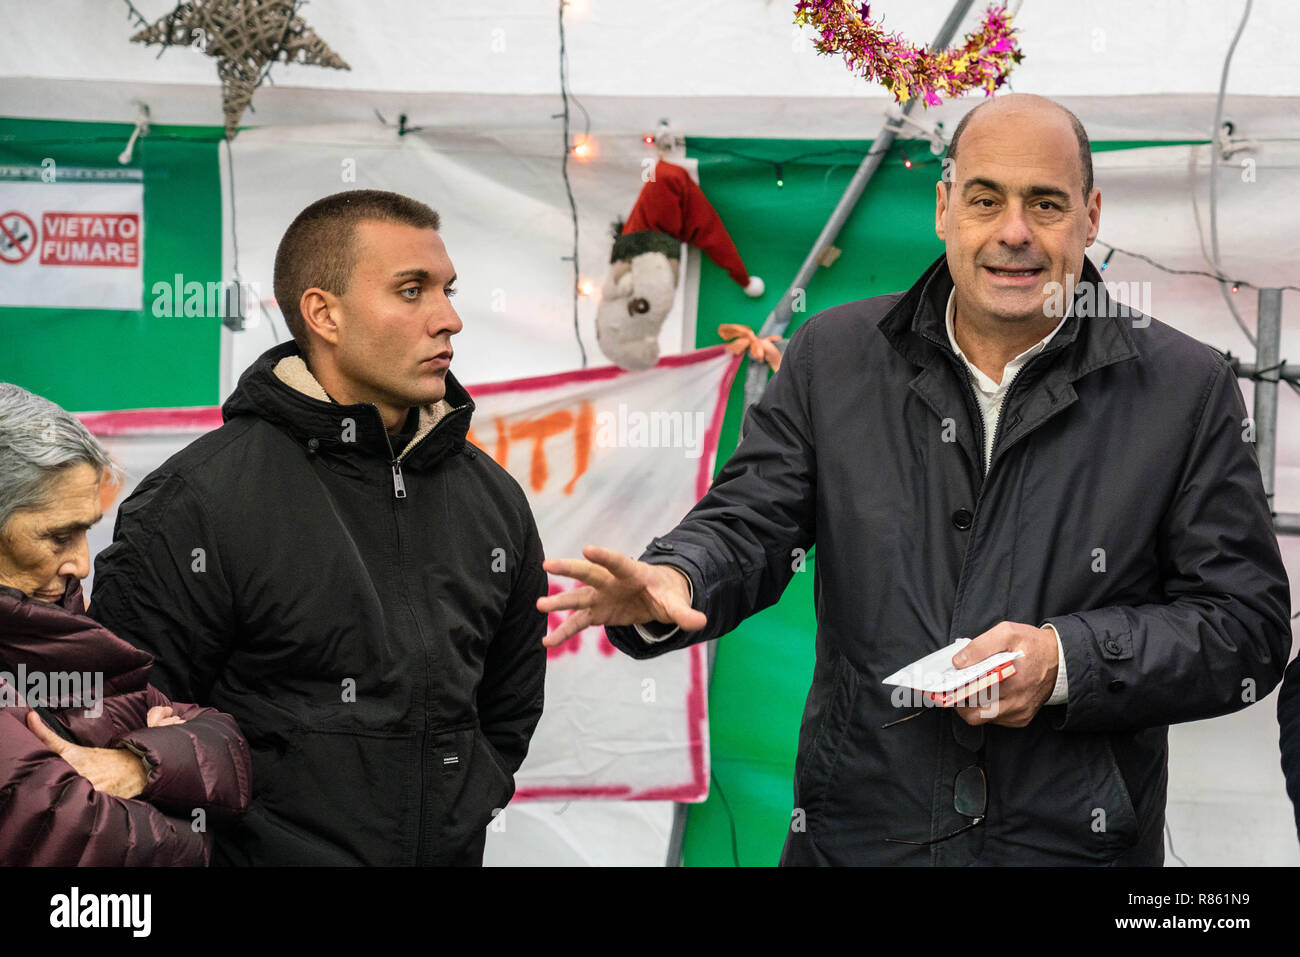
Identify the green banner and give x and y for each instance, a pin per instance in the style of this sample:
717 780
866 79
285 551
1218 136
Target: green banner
93 359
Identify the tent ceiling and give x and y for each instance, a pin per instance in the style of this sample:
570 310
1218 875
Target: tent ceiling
723 67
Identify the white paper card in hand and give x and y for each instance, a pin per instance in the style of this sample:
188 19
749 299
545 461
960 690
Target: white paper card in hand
935 672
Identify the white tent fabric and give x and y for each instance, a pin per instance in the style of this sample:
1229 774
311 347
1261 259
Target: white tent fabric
715 67
483 83
506 222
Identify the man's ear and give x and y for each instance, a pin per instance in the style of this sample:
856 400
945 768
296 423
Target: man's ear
321 312
1094 215
940 209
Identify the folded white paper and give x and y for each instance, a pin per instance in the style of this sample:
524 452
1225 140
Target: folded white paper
935 672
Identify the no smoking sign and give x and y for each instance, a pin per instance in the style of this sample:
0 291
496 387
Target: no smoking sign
17 237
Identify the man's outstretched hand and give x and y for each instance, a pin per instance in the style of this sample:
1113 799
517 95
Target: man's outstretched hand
618 591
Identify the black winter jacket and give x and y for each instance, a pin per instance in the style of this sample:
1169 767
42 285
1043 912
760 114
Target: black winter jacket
1123 436
370 623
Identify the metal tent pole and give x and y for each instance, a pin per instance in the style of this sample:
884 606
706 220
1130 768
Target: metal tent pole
1268 344
1290 371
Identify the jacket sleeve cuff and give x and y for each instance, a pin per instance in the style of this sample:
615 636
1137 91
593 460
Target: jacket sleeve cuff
202 763
1098 650
654 632
1061 690
167 756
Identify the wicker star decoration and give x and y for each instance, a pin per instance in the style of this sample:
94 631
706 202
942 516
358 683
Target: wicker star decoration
245 37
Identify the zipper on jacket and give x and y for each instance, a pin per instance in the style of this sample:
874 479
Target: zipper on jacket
395 462
399 492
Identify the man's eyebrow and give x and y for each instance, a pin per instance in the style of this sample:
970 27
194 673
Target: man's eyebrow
978 182
1054 192
421 274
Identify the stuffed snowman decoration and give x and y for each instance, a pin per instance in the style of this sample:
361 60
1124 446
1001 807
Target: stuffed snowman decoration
638 291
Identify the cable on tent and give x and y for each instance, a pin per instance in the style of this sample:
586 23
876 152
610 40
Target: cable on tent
778 165
731 819
1219 276
234 242
568 187
1214 194
1221 279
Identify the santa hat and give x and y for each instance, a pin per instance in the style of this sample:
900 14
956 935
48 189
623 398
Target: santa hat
673 203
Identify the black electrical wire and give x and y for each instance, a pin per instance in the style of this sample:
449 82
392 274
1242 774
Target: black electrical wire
731 819
1214 173
1220 277
568 187
234 243
778 165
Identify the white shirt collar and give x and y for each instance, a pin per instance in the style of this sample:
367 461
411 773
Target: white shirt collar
1009 371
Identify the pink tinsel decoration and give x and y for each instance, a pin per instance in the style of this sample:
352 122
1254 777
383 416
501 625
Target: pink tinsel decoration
981 62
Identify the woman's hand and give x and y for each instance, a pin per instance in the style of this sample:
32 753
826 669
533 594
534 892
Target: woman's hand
160 716
114 771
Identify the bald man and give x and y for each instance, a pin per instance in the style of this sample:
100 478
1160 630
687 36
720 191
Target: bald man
1001 453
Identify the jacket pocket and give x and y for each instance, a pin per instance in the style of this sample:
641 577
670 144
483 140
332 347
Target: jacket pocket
468 786
1094 817
1055 799
1122 819
820 764
333 798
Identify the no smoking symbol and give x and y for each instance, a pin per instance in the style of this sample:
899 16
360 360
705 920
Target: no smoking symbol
17 237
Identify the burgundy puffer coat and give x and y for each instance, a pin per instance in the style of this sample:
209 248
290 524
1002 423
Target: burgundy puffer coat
50 814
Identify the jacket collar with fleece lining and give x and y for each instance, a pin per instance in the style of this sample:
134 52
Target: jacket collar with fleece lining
280 388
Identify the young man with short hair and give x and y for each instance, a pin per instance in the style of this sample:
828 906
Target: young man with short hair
340 570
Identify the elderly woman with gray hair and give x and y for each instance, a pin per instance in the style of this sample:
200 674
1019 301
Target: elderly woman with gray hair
97 767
